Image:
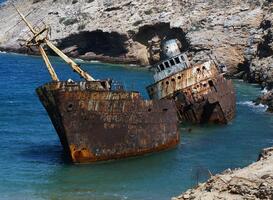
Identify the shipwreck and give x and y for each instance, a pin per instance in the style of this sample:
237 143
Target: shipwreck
98 121
201 92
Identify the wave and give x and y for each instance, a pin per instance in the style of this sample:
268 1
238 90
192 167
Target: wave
264 91
3 52
94 61
79 60
252 105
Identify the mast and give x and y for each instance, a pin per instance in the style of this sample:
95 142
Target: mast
39 41
42 51
69 61
48 64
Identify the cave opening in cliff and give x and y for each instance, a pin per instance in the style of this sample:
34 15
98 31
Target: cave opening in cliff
163 31
98 42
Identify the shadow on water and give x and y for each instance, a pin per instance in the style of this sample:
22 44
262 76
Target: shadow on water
44 153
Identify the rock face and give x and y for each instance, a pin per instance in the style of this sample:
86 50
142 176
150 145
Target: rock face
266 99
259 63
252 182
124 30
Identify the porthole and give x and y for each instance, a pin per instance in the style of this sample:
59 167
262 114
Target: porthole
167 82
173 80
69 107
179 77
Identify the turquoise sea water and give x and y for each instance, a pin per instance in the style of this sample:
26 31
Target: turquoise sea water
32 165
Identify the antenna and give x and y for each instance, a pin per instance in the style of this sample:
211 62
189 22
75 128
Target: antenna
39 40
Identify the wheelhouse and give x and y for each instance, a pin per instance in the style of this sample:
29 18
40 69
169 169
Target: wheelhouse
170 66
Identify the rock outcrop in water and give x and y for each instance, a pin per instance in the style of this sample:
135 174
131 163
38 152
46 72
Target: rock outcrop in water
252 182
266 99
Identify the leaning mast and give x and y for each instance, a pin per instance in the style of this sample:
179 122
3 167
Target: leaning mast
38 40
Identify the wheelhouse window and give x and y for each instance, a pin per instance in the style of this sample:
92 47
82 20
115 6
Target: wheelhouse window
161 67
172 62
167 64
177 60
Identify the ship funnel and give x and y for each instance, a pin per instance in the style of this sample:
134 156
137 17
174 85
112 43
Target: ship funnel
170 48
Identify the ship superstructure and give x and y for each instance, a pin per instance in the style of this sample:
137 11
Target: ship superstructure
201 92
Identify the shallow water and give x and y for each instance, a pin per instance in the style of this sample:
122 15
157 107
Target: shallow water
32 165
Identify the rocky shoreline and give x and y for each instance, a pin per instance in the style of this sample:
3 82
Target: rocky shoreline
266 99
252 182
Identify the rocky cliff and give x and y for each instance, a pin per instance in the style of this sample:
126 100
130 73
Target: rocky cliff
252 182
238 33
123 30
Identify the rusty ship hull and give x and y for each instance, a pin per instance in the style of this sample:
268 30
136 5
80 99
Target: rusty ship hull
97 120
96 124
200 92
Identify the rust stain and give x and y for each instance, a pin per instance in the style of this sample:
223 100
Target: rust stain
80 155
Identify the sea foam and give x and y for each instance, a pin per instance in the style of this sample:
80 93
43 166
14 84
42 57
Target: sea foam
264 91
252 105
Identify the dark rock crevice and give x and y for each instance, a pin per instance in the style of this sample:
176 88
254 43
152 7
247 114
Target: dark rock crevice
243 71
265 48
